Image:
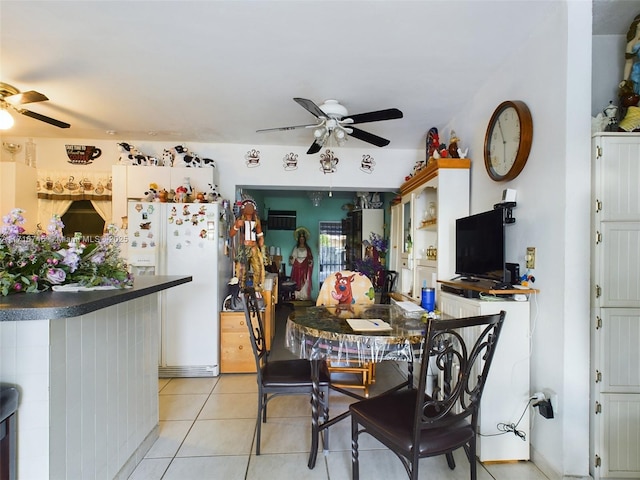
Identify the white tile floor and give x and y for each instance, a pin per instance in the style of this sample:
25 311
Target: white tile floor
207 428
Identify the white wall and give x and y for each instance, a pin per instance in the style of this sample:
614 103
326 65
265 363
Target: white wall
608 69
390 169
552 75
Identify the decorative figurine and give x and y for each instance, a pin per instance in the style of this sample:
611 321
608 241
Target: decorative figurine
249 253
453 145
301 261
433 141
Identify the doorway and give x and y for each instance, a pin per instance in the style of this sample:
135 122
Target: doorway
331 250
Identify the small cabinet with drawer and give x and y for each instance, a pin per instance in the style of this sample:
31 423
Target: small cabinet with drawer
236 355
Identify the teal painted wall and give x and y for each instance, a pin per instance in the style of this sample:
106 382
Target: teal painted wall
308 216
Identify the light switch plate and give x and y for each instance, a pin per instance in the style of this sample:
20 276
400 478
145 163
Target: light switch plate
531 257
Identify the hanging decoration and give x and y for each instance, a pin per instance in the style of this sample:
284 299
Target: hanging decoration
316 198
253 158
328 162
65 185
367 164
290 161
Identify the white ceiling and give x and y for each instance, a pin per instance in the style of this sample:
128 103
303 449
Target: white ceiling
216 71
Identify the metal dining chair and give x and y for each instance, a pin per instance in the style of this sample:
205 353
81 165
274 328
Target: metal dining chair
279 377
414 424
388 284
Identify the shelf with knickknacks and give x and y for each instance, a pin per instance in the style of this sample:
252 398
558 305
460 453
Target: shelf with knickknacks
430 218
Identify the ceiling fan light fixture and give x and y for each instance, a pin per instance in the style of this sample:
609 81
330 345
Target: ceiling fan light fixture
319 132
6 120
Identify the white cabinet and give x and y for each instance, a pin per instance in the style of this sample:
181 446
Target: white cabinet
133 181
395 238
432 200
506 394
615 306
18 182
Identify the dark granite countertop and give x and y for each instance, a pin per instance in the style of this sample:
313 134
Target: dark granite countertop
50 305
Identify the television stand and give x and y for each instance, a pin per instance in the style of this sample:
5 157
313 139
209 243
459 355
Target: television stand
482 286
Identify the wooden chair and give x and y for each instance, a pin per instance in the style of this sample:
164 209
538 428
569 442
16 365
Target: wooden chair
347 288
415 425
280 377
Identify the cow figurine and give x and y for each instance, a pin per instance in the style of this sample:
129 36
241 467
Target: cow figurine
130 155
167 157
213 195
182 157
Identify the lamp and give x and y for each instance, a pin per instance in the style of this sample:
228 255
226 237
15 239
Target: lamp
340 135
315 197
319 132
6 120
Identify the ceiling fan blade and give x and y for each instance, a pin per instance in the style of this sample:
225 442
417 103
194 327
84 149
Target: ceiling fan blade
311 107
377 116
26 97
368 137
283 129
43 118
314 148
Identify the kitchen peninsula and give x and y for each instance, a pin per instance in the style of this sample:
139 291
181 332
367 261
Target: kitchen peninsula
86 367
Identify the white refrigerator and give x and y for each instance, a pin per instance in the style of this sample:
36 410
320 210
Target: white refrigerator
184 239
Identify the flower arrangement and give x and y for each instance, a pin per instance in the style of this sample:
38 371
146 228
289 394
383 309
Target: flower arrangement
379 243
372 265
32 263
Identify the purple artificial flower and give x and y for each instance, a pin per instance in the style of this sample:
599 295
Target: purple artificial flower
56 276
98 258
70 258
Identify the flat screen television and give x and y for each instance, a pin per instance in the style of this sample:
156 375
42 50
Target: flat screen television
480 248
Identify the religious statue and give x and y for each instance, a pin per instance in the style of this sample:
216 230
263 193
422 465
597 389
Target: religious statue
301 261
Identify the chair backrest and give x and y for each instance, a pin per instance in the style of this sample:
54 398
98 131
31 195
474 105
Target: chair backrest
255 326
460 350
346 288
388 284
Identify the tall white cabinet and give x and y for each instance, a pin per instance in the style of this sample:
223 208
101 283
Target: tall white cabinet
423 225
615 306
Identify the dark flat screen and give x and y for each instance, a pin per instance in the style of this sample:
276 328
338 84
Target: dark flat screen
480 246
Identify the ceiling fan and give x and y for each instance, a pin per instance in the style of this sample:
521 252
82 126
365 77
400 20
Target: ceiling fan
335 120
11 97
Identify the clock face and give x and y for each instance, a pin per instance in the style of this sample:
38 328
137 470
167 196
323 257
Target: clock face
508 140
505 140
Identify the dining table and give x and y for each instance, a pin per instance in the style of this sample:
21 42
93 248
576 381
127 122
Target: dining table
351 333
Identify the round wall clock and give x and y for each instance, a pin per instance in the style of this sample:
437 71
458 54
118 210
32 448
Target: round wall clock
508 140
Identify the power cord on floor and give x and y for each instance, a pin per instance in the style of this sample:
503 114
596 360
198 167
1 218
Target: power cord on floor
511 427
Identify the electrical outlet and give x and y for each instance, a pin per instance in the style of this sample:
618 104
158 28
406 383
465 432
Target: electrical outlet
530 258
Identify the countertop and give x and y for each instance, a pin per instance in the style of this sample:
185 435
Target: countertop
50 305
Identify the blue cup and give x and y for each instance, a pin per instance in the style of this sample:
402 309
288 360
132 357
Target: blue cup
428 300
